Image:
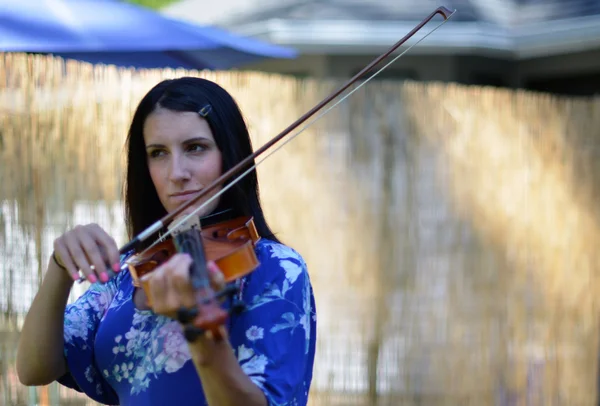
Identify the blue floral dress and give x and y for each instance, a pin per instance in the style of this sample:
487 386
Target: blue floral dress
119 355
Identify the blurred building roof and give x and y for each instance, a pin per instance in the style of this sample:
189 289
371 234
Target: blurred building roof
515 28
500 12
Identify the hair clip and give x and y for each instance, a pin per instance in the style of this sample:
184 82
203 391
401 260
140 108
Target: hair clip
205 110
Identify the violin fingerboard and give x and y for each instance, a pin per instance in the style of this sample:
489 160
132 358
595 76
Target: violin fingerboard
190 242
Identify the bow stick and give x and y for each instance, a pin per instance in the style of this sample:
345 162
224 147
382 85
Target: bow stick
160 224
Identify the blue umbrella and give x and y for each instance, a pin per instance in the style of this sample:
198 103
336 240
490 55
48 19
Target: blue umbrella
123 34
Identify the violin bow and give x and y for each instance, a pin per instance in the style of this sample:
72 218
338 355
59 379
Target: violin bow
160 224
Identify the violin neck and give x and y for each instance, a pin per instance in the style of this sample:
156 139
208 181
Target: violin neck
188 240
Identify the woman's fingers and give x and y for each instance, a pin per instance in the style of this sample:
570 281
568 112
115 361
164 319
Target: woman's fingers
78 256
217 279
92 252
169 285
110 253
180 281
62 254
88 249
156 287
171 288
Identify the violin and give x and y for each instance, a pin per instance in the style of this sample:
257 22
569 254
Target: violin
230 243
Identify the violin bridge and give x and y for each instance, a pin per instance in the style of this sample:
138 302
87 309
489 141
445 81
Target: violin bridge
190 223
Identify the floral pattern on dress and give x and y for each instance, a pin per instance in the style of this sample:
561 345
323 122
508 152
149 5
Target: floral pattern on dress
152 345
115 351
81 319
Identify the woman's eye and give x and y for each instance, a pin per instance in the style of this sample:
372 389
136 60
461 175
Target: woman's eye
155 153
196 148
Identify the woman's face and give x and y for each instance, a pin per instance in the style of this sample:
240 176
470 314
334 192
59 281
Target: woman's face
183 157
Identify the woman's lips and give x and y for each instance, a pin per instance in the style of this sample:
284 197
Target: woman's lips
184 196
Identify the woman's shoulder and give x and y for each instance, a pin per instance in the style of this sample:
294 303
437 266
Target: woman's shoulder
278 261
274 253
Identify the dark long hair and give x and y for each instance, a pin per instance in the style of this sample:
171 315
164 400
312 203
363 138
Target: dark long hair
190 94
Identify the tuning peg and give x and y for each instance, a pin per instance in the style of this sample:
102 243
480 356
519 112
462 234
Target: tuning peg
191 333
185 315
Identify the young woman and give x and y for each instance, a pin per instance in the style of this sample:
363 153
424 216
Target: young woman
109 344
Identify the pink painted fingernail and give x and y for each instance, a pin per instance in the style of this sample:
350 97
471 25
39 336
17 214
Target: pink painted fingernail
104 277
92 278
116 267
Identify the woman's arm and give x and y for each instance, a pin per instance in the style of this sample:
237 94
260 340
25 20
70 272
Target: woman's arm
40 359
40 356
223 380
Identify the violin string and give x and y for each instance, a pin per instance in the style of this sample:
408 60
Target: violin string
318 117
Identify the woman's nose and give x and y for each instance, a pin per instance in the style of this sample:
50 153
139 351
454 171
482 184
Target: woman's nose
178 170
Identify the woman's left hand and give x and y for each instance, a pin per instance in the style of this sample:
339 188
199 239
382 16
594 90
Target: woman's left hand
170 285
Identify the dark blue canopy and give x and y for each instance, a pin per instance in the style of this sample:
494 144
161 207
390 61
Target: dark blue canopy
114 32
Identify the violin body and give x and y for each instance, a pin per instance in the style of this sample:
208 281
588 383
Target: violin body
230 244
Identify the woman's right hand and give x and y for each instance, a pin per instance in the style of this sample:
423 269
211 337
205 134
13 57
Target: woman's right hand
89 249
